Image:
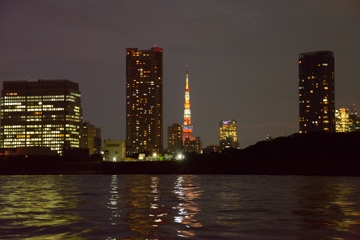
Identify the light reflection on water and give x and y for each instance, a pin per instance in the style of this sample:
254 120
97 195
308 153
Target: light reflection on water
179 206
34 203
325 204
187 191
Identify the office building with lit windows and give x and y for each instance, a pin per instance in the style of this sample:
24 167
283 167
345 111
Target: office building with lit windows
45 113
316 92
174 138
144 100
343 122
228 134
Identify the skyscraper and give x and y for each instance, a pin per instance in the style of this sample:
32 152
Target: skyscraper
144 100
174 138
316 92
187 126
90 137
228 134
44 113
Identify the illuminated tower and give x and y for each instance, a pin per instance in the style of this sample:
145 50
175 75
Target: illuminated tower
187 126
316 92
144 100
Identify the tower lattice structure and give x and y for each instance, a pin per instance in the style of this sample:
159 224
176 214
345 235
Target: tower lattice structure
187 126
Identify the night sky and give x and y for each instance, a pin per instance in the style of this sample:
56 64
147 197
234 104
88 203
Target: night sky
242 56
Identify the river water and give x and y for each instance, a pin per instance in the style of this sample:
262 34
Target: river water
179 206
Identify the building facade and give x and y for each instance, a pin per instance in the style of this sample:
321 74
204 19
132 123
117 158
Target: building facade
316 92
228 134
174 138
114 150
343 122
144 100
90 137
354 118
193 145
44 113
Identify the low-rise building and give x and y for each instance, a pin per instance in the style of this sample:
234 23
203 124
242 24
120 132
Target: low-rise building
114 150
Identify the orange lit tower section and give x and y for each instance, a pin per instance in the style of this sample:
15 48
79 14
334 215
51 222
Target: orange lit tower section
187 126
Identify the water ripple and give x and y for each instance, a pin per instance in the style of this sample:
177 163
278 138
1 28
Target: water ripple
179 206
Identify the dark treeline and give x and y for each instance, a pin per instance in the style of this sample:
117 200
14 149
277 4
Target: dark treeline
316 153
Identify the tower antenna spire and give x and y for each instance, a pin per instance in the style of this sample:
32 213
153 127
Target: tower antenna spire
187 126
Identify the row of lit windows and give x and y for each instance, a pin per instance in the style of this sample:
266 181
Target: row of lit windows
8 103
39 97
14 106
49 109
12 102
13 110
47 126
44 136
52 96
75 94
47 140
54 145
43 133
32 108
71 99
137 54
325 88
16 97
73 118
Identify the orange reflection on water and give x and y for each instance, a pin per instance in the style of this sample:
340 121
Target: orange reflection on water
143 199
187 191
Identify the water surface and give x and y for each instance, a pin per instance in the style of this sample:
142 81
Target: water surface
179 206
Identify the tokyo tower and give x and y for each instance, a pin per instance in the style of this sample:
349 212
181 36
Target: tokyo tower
187 126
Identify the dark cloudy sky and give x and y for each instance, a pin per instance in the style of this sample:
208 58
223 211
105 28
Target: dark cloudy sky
242 56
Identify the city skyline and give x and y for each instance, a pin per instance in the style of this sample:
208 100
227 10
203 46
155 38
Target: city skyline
243 56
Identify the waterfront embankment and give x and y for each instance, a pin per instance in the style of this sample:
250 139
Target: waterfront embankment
319 153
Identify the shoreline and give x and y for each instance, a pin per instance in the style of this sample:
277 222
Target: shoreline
317 153
171 167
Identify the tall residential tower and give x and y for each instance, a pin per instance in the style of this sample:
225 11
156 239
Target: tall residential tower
316 92
144 100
